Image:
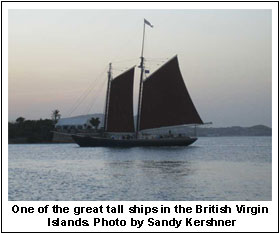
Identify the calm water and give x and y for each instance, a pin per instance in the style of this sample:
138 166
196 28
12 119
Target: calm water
214 168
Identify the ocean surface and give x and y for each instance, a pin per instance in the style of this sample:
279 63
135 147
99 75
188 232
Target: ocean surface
212 169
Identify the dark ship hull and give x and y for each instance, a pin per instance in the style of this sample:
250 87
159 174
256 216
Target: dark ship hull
86 141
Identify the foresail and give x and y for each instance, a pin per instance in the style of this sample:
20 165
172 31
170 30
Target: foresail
165 99
120 111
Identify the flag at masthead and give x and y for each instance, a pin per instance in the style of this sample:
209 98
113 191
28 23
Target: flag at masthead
147 22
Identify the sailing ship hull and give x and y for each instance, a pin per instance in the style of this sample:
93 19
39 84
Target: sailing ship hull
86 141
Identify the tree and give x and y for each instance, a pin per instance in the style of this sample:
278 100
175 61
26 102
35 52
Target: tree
94 122
56 115
31 131
20 120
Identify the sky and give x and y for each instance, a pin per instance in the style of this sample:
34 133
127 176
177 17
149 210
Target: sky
58 59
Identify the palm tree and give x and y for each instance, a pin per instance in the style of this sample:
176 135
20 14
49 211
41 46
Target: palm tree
20 120
56 115
95 122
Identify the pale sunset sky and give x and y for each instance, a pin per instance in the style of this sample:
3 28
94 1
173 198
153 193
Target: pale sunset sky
58 59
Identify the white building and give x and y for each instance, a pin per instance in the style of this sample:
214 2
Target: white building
80 122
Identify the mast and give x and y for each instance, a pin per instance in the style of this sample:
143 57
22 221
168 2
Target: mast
141 84
107 97
141 79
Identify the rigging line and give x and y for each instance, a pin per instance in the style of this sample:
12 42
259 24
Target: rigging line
96 93
99 88
156 61
156 58
97 98
79 100
78 105
155 64
85 94
126 60
129 39
119 68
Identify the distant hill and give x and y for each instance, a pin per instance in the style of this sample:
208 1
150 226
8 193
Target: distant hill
257 130
80 120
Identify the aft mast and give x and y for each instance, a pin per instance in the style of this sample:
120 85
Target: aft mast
142 67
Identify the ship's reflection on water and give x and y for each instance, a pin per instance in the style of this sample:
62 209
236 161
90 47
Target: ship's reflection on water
152 173
151 179
180 168
164 161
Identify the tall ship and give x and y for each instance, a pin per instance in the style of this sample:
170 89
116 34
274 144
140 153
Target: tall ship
164 102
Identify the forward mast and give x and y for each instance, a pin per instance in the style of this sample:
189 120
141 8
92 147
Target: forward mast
107 96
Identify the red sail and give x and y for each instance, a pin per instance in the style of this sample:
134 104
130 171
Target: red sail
120 112
165 99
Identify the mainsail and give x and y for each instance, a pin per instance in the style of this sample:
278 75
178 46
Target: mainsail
120 110
165 99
